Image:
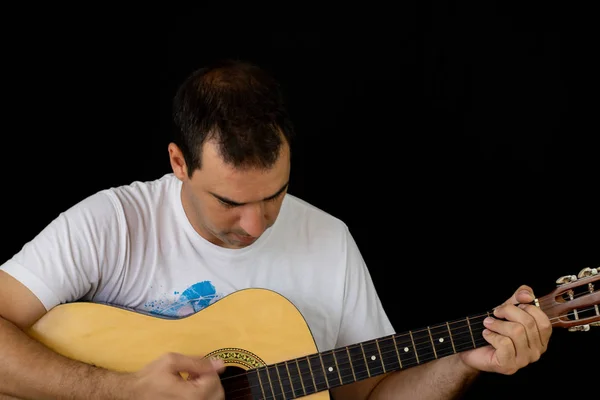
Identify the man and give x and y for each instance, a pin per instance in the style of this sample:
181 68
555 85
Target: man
221 222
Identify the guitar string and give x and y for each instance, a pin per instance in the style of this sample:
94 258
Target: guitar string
345 371
416 332
417 344
347 374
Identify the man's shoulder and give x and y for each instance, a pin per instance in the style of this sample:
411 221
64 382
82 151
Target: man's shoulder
144 187
142 194
300 212
138 199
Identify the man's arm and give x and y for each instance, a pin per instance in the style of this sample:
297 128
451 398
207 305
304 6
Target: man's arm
29 370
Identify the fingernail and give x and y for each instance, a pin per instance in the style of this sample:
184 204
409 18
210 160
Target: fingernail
488 321
525 292
217 362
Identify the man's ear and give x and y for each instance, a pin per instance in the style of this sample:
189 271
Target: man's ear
177 160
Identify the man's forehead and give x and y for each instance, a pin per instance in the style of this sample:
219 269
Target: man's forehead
241 185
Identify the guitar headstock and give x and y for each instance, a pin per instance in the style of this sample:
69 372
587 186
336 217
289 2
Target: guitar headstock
574 303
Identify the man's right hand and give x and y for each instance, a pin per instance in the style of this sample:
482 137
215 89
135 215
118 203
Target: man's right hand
161 379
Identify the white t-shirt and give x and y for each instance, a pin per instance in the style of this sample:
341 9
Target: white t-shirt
133 246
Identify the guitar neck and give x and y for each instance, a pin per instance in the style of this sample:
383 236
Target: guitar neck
341 366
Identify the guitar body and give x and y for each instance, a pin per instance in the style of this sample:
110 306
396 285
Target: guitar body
247 329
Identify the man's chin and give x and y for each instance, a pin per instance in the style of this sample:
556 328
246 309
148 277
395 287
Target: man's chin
242 241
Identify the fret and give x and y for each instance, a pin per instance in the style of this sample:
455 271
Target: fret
397 351
389 354
450 336
359 362
350 363
374 362
471 332
381 358
337 367
294 379
432 344
308 382
442 343
408 357
362 350
462 334
301 379
312 376
333 378
275 383
265 383
423 347
344 366
254 383
318 372
412 340
276 379
477 328
286 389
284 379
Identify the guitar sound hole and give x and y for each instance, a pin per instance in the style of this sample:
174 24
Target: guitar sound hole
236 384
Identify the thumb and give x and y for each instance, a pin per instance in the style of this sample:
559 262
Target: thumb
217 367
481 359
194 366
524 294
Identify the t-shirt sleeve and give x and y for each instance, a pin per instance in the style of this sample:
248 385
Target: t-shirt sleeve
363 316
64 262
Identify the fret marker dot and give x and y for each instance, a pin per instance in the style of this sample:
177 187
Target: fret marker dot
330 369
373 358
441 339
406 349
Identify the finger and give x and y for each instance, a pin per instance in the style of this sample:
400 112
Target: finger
515 333
544 326
209 385
505 353
517 314
218 367
177 363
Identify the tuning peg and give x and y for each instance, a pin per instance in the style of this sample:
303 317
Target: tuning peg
583 328
566 279
587 272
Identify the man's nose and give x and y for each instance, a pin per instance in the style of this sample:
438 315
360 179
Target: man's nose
253 219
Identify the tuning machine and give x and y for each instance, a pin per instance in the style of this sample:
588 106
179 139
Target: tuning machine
563 280
583 328
585 272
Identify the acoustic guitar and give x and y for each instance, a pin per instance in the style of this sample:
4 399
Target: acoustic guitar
268 348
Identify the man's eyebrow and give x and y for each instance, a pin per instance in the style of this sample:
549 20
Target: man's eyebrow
235 203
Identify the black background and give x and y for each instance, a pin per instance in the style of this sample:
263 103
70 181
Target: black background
457 142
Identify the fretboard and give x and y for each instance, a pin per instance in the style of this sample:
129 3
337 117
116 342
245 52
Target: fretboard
322 371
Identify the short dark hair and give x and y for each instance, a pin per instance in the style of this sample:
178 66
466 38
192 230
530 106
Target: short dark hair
239 105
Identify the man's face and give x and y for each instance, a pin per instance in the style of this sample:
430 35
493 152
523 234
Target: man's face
231 207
